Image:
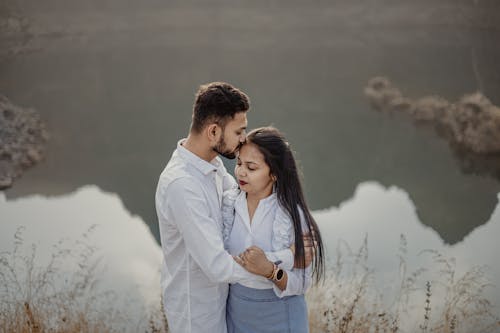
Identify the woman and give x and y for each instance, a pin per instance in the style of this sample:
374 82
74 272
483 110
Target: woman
270 212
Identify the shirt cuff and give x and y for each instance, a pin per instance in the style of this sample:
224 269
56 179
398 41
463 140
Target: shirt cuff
281 293
285 256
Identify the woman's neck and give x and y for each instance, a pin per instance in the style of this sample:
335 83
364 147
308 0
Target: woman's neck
256 197
253 200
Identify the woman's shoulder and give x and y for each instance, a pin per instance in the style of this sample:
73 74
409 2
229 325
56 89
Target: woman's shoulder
283 216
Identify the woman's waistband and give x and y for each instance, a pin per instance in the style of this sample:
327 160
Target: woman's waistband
244 292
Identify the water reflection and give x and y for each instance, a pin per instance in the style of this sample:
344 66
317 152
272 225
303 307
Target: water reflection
383 215
130 256
115 86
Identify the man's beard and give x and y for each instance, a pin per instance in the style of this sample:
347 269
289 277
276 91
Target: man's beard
221 149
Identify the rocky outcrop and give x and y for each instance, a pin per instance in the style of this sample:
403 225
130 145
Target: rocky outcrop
472 123
22 141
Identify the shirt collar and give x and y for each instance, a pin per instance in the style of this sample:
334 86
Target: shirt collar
269 200
199 163
242 199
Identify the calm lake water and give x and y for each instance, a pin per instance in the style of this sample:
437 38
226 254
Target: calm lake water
114 81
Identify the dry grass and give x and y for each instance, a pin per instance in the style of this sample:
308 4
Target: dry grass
38 297
348 300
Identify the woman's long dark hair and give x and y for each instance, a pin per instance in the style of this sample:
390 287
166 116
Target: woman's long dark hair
279 157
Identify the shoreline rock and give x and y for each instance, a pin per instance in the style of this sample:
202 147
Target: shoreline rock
472 123
23 137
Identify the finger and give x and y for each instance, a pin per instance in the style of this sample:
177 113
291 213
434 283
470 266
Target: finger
308 259
238 260
310 236
310 243
309 254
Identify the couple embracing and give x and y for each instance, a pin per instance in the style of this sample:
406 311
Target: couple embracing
238 256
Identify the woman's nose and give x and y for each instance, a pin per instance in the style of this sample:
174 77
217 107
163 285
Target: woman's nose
239 171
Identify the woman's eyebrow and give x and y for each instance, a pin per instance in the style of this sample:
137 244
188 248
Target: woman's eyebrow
250 162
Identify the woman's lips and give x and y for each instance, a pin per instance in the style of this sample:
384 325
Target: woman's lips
242 183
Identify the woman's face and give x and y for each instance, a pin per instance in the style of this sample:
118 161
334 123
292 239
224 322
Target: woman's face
252 172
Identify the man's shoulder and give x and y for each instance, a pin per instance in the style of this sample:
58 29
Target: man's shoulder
178 172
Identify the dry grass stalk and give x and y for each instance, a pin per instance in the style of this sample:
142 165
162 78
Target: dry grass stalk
348 301
33 299
38 298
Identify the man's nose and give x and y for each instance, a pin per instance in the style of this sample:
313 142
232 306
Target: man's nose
243 136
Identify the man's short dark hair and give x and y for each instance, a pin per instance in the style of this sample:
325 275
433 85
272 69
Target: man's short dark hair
217 102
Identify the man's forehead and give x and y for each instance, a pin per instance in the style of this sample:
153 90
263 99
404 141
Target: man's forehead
239 120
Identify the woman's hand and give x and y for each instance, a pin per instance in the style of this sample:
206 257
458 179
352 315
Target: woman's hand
310 245
255 261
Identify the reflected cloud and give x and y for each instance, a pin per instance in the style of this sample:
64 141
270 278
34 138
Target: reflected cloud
383 214
130 256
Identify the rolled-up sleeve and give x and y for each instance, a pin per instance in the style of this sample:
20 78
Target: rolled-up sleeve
186 204
228 199
299 280
282 239
285 256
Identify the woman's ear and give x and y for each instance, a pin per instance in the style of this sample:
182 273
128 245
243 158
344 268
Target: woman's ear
273 178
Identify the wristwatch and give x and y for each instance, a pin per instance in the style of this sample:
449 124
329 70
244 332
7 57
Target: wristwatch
278 272
278 276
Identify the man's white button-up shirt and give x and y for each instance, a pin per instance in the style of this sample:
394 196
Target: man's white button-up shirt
196 269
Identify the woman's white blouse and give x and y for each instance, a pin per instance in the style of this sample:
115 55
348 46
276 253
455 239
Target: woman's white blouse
271 230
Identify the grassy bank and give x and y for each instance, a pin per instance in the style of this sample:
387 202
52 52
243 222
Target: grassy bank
55 297
64 294
425 299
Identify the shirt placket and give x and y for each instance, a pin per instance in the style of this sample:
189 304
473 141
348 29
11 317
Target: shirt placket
218 185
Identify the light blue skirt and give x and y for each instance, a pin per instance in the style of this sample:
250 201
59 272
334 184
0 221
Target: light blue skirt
261 311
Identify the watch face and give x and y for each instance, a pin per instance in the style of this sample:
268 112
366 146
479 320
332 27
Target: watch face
279 274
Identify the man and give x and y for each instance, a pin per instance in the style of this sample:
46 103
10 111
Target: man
196 269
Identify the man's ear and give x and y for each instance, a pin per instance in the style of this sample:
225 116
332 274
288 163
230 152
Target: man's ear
213 132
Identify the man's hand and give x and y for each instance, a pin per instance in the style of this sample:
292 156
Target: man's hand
255 261
310 245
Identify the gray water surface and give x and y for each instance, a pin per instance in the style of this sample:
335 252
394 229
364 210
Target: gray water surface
115 80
